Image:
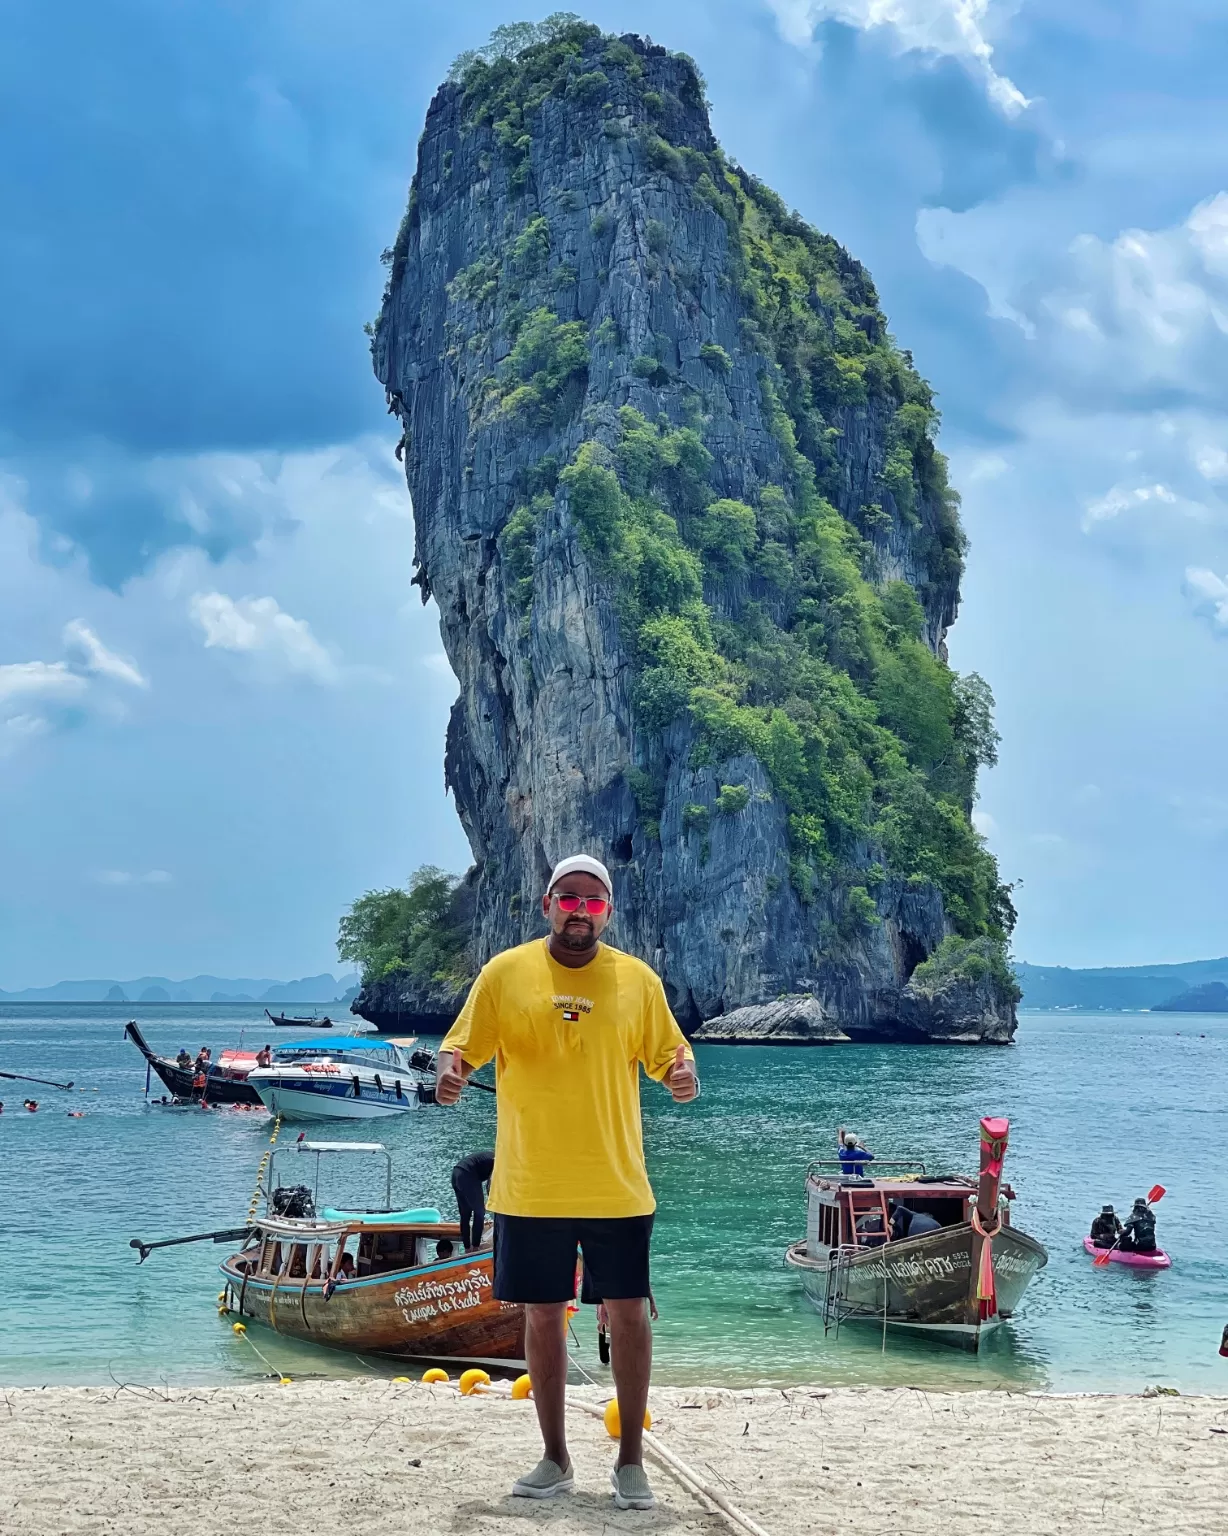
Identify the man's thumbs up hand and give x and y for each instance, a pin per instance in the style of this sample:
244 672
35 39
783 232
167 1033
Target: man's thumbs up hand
682 1082
449 1078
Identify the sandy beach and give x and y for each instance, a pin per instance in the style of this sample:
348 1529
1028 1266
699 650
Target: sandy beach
384 1457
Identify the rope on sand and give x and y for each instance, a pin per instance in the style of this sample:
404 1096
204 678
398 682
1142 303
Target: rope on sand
687 1476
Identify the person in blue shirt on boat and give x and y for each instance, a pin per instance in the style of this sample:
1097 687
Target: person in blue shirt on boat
853 1154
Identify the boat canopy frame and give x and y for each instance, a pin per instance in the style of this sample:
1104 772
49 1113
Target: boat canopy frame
327 1148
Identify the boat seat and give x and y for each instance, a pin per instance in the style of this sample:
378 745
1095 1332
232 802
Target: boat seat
423 1215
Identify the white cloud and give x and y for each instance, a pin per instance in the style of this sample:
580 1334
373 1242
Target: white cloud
1120 500
953 27
127 877
17 730
258 625
984 823
1209 593
39 679
1144 311
55 685
79 637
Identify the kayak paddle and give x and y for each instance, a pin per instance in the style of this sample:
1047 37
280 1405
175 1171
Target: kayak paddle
1154 1195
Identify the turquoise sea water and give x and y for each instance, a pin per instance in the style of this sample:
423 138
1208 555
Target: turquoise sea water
1101 1106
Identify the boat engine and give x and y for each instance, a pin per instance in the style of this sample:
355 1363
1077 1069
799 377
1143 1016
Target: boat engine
292 1200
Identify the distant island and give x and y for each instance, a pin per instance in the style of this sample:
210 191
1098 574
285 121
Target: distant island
1196 986
1211 997
324 988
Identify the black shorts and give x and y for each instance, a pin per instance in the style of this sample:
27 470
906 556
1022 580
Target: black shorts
535 1256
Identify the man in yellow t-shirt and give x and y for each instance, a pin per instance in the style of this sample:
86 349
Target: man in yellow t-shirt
569 1021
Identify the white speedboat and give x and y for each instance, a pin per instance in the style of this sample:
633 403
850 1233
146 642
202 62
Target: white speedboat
351 1078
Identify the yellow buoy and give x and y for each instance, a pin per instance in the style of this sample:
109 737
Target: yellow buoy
473 1381
221 1295
239 1327
614 1425
285 1381
400 1378
223 1311
521 1388
434 1374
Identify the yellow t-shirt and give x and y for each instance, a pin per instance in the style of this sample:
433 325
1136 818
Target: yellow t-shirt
568 1043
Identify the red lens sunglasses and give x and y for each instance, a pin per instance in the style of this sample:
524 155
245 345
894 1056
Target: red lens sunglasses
594 905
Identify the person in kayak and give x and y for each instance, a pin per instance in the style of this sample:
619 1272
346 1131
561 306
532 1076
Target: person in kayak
853 1153
1139 1233
1106 1228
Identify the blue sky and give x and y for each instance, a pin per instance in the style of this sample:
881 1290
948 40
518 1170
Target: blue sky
222 705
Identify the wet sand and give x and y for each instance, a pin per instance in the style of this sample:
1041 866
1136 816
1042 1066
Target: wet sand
369 1458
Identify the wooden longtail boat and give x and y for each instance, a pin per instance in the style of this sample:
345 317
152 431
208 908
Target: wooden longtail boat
413 1292
283 1022
225 1081
956 1282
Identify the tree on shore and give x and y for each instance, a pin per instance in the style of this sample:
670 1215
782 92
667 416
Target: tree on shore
417 929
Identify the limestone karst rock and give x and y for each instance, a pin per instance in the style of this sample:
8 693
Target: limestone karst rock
676 496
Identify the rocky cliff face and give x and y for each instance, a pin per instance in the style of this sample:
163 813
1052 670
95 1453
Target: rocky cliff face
561 261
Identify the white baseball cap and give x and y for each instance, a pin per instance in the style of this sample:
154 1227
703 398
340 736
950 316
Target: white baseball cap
581 864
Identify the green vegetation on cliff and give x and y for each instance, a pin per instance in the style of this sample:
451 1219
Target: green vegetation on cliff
418 931
871 741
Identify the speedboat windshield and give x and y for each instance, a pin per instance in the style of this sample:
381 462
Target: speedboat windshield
354 1049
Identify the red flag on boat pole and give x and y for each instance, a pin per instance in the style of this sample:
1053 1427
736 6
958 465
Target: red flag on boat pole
985 1219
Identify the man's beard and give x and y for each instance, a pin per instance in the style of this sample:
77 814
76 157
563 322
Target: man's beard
578 936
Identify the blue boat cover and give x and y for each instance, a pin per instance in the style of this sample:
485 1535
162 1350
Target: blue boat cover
323 1044
424 1215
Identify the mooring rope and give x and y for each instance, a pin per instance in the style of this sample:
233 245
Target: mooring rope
264 1162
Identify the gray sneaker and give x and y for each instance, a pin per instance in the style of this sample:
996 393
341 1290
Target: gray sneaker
546 1479
631 1490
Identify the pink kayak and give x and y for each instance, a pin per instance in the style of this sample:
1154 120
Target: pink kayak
1157 1260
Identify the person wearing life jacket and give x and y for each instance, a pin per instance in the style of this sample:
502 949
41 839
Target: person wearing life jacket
1106 1228
1139 1233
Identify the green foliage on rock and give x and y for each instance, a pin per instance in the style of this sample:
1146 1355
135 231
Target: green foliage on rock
542 379
716 358
856 721
959 960
517 543
531 247
418 930
732 798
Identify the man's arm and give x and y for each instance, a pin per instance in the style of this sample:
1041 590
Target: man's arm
450 1074
665 1052
682 1081
470 1043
